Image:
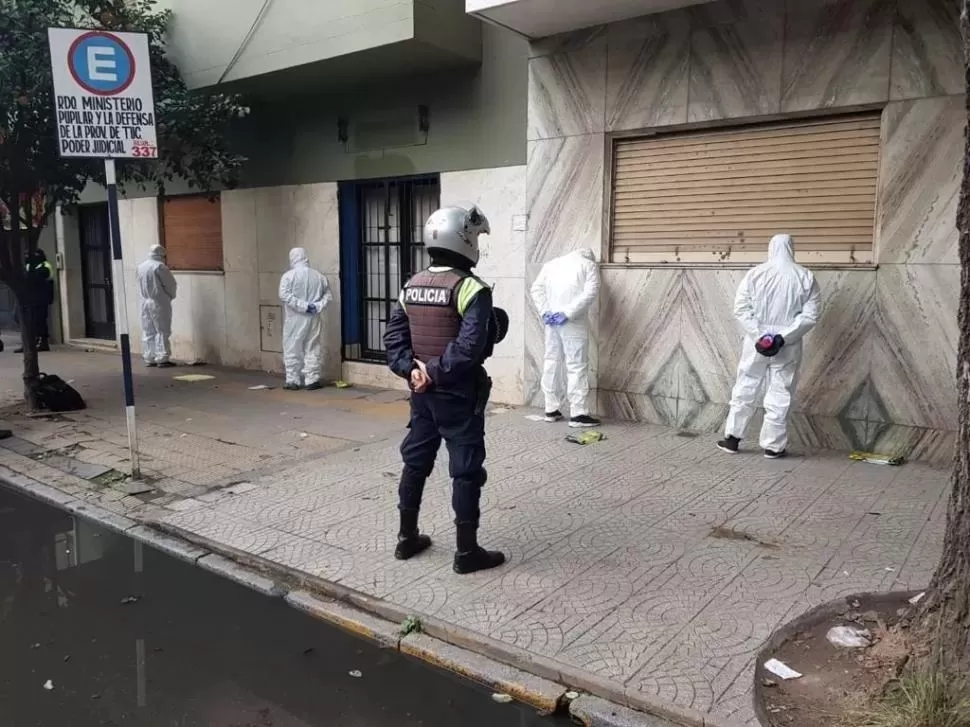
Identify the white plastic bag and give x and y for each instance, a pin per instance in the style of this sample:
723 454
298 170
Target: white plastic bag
849 637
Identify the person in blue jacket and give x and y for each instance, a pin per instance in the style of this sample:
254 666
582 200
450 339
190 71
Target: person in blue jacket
438 338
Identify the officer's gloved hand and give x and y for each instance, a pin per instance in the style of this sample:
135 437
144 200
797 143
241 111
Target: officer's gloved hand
558 319
765 345
547 318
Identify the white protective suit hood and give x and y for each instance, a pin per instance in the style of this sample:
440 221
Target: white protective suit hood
779 296
156 253
298 257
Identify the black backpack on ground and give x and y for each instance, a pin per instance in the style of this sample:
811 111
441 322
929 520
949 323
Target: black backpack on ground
56 395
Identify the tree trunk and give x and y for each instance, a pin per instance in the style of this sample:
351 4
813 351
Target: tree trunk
29 343
945 612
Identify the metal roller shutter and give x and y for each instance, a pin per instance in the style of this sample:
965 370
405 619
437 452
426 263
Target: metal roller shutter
192 232
716 193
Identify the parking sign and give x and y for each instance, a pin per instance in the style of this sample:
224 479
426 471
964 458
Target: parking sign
103 94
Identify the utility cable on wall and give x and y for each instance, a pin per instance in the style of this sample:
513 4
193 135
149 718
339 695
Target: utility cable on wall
245 43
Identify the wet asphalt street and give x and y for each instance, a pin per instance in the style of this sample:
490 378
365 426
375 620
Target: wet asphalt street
96 630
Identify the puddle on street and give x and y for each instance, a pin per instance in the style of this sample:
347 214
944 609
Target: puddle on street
97 630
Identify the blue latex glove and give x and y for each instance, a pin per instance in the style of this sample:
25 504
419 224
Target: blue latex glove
311 309
547 318
558 319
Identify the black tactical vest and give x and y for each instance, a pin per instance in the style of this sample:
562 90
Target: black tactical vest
431 302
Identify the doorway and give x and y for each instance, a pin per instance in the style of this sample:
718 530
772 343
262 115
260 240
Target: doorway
99 309
382 245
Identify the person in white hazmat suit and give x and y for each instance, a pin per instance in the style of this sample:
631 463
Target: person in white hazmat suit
563 293
157 289
777 303
305 294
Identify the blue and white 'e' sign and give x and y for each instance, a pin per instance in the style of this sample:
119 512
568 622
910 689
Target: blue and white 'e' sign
103 93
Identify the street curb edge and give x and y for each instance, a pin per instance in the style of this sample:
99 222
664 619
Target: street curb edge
542 684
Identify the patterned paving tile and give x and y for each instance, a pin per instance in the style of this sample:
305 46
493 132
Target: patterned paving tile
614 565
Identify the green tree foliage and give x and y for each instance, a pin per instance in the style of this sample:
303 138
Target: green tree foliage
193 129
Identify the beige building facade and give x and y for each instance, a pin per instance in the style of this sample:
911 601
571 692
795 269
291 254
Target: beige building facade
671 137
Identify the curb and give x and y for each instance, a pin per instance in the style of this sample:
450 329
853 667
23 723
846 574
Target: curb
535 680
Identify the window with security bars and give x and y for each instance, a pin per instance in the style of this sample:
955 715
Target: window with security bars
719 196
393 214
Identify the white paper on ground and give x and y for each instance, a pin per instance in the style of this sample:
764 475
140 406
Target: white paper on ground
535 417
781 670
917 598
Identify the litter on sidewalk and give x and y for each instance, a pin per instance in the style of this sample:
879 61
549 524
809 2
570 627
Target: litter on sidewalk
260 387
781 670
586 438
871 458
342 384
193 377
849 637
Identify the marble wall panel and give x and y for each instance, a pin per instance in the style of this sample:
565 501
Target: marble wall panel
837 53
640 328
914 344
927 50
735 69
919 180
564 189
729 12
647 72
567 42
712 337
838 352
878 370
567 92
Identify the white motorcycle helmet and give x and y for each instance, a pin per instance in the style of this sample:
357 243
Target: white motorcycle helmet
456 230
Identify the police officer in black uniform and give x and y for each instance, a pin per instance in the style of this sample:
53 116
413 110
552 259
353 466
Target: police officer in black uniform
438 337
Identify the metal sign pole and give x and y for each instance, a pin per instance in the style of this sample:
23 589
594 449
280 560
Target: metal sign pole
106 110
121 313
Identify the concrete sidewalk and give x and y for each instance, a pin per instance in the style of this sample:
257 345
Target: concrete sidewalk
649 567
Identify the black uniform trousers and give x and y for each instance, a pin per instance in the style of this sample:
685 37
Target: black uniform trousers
458 418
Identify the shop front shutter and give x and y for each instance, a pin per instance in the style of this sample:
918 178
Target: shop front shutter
192 232
703 196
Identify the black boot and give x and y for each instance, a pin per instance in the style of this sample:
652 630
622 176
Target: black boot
410 542
43 344
470 556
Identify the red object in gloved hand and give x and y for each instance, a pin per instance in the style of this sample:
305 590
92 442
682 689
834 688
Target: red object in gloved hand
768 345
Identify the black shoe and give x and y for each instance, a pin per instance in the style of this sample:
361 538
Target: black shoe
43 345
410 541
19 349
151 364
553 416
315 386
584 421
409 546
166 365
291 387
471 557
729 444
776 455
